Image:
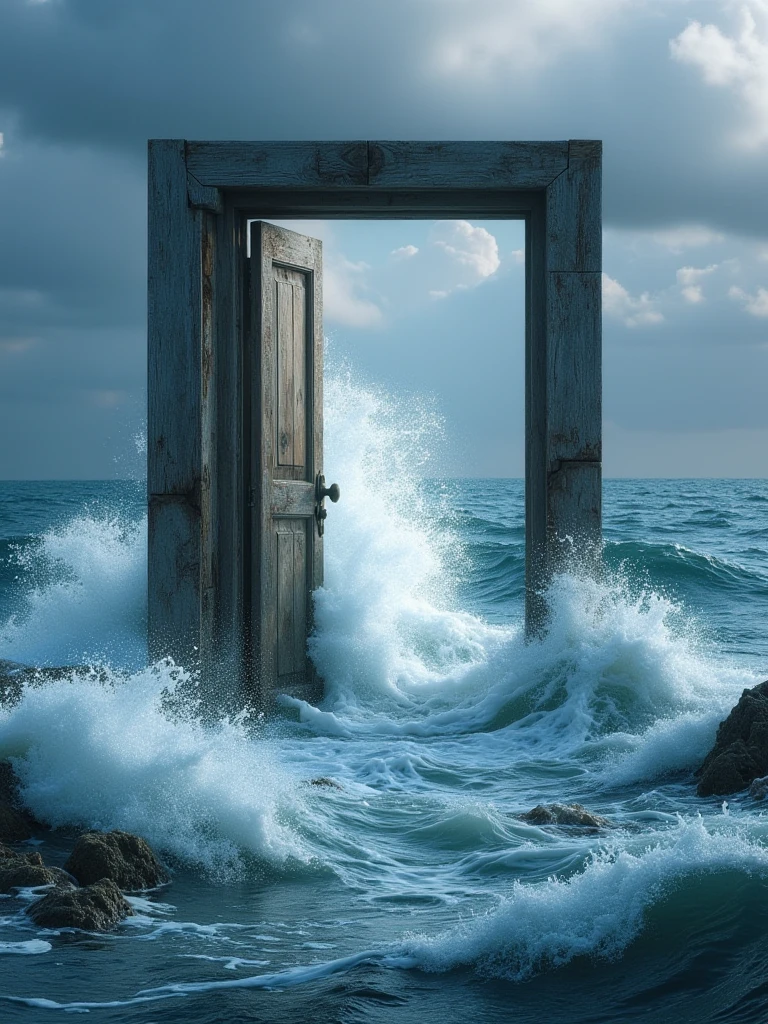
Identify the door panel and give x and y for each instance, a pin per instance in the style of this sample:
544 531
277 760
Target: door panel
290 308
284 426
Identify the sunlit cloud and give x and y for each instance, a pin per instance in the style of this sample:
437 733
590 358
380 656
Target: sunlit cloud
405 252
689 279
738 61
755 303
471 248
633 311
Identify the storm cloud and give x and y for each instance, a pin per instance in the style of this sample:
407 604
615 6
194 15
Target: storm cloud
676 91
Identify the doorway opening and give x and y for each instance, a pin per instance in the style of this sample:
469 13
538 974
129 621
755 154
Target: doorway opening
212 305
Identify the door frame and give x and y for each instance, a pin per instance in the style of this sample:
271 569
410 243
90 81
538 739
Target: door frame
201 197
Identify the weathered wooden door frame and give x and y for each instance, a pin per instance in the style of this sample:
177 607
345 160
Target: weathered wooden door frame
201 196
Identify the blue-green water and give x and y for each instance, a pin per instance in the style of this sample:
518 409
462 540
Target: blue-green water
413 891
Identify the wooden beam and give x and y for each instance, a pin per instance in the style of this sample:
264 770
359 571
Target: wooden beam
573 287
174 427
375 204
470 165
288 165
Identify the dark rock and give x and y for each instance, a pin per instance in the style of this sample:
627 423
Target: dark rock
9 784
325 781
740 753
94 908
126 859
759 789
19 872
564 814
7 854
14 825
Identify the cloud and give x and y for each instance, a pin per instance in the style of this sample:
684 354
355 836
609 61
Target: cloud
405 252
517 35
472 252
738 61
689 280
756 304
687 236
344 299
632 311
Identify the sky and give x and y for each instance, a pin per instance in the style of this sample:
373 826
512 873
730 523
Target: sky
676 89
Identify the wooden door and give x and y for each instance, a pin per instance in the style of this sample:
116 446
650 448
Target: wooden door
284 428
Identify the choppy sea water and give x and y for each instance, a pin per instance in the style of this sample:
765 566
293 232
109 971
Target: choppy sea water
413 891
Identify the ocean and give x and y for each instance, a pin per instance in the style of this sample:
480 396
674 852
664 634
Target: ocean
409 890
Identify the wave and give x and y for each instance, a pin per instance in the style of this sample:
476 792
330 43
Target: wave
104 750
690 884
677 566
81 596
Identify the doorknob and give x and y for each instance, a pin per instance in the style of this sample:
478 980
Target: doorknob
331 492
321 493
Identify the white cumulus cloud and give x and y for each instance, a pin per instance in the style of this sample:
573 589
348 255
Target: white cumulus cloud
755 303
689 279
472 250
738 61
633 311
405 252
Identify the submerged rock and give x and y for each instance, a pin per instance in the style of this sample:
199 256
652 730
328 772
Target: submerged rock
740 753
564 814
323 780
125 859
94 908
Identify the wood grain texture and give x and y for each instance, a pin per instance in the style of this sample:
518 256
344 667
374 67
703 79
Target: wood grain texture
285 346
300 165
174 424
292 498
574 516
536 281
174 326
226 604
203 197
574 356
173 552
574 218
472 165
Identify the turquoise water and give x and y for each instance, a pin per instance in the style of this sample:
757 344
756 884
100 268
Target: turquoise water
412 891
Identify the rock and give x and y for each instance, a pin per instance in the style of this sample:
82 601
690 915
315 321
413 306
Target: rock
740 753
14 825
19 872
94 908
564 814
759 789
325 781
125 859
6 854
